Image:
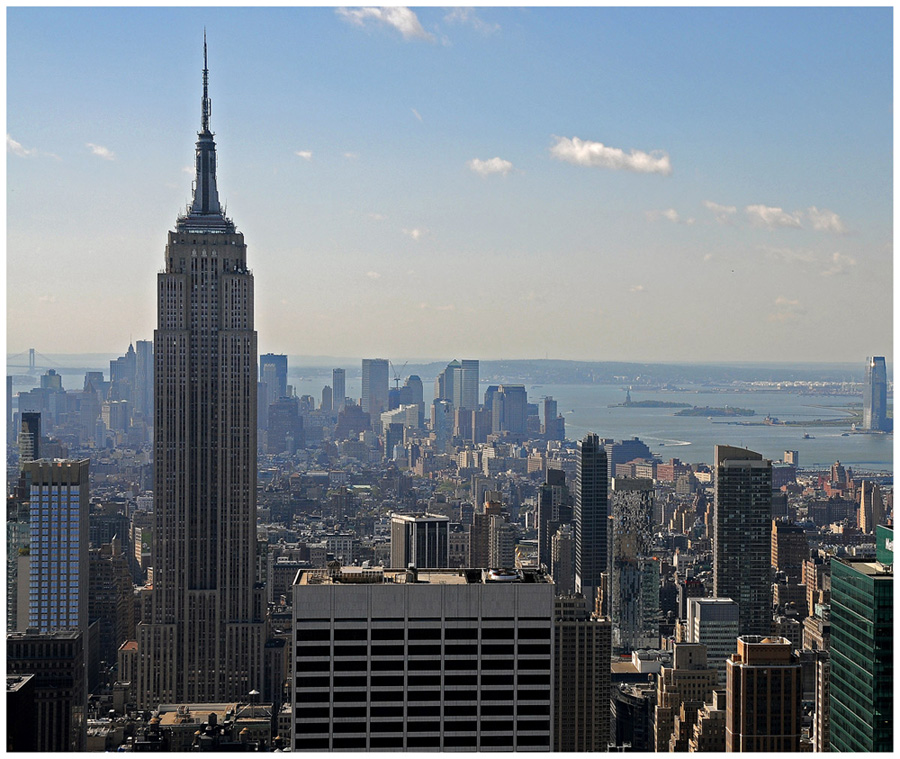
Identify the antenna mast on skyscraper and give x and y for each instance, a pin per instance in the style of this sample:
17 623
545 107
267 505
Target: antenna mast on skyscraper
206 103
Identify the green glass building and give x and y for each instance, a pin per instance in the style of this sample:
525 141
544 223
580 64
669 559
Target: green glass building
862 661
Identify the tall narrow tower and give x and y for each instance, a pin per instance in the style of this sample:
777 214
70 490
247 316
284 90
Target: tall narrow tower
742 542
591 516
204 640
875 395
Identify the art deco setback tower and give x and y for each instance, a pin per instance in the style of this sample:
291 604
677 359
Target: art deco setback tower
205 637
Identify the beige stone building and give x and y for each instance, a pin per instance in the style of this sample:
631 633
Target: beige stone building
204 639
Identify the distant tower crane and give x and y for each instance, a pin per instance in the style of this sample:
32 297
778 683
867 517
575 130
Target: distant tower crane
396 373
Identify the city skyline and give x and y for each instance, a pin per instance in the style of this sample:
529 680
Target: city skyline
579 183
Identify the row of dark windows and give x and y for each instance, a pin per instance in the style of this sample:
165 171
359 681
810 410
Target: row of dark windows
396 680
420 741
470 693
398 633
413 649
311 713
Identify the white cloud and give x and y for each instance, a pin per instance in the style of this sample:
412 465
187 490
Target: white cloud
790 255
304 154
376 216
400 18
708 257
416 114
16 148
491 166
467 16
416 233
187 169
772 218
825 220
723 214
670 214
839 264
596 154
373 275
351 156
636 289
786 310
101 152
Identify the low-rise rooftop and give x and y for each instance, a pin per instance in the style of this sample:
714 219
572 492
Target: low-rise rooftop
336 575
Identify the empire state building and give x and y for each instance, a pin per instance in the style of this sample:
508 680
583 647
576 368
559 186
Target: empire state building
204 639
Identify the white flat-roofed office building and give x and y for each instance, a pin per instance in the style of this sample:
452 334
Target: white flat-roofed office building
714 622
404 660
422 540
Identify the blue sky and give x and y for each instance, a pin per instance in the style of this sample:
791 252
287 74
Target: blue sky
590 183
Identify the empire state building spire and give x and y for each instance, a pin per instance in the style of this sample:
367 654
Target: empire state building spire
205 213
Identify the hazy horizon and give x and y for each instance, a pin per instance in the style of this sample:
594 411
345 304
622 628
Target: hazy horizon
100 359
693 185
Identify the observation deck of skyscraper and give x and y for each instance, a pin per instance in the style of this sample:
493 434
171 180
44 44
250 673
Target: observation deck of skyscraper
336 502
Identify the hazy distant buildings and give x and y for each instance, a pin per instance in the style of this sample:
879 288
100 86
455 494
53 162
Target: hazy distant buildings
508 406
458 383
875 396
285 432
29 437
412 394
742 523
591 514
374 386
203 637
143 380
554 427
338 389
273 371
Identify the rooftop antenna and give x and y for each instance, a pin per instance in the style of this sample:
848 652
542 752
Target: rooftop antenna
204 124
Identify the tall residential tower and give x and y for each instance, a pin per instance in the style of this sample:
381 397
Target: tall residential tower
591 517
742 524
875 395
205 636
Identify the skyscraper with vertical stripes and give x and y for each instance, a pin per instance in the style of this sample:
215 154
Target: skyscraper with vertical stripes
204 639
591 516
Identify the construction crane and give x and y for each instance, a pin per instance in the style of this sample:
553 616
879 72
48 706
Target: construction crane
396 373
